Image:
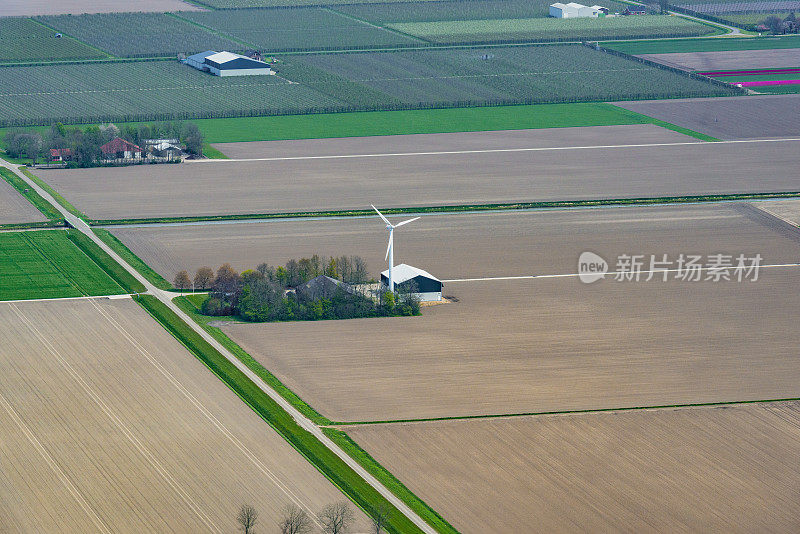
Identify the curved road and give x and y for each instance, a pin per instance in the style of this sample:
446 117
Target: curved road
166 298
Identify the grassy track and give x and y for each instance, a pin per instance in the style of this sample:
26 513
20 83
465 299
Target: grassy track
49 264
58 198
106 262
670 46
132 259
47 209
322 458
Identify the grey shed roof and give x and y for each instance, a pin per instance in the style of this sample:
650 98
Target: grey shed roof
321 287
201 56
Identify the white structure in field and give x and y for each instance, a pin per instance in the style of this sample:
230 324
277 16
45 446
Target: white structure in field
227 64
574 10
411 279
390 248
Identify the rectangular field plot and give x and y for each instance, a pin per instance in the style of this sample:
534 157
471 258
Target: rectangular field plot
525 74
468 245
552 29
107 424
684 470
14 208
748 117
25 40
675 46
16 8
424 179
742 59
46 264
550 343
144 90
140 34
276 30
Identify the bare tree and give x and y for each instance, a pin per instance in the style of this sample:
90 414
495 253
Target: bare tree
295 521
336 518
203 278
380 516
247 518
182 281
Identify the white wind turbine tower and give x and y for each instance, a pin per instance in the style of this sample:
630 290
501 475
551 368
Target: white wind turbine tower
390 248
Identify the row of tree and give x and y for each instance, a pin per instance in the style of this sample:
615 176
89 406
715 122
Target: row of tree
270 293
84 143
335 518
777 25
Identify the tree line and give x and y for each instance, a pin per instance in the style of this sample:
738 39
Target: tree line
84 143
269 293
336 518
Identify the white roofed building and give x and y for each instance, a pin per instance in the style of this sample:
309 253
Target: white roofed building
411 279
575 10
228 64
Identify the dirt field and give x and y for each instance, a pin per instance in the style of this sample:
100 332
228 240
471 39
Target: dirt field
107 424
14 208
788 210
468 245
547 137
740 59
441 179
545 345
746 117
17 8
730 469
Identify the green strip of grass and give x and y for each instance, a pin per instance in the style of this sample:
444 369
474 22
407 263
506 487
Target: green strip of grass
317 454
191 306
113 269
132 259
47 209
58 198
389 480
32 225
212 153
556 204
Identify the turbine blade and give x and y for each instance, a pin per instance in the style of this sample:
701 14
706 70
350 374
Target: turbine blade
389 247
381 214
406 222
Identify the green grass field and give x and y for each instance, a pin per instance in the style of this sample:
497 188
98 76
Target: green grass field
704 45
48 264
23 40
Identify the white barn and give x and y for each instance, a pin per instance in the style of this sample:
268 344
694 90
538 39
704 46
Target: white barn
428 287
228 64
574 10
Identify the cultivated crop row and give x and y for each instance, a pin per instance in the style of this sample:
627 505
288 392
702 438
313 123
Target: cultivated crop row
274 30
552 29
140 34
25 40
239 4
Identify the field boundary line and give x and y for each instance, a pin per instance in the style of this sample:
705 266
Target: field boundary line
493 151
146 454
59 472
610 273
207 413
56 299
343 426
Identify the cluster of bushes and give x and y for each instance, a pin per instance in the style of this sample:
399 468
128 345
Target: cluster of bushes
269 293
84 143
778 26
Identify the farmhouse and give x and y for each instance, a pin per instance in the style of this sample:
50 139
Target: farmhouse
425 285
573 10
60 154
119 148
227 64
322 287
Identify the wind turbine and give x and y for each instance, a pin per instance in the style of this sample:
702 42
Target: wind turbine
390 248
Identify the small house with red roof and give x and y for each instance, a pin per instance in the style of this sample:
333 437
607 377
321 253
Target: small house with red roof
60 154
119 148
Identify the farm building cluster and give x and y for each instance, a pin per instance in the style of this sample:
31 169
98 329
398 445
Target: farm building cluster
119 149
574 10
229 64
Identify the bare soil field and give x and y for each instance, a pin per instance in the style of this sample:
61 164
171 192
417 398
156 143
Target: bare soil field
14 208
107 424
543 137
787 210
739 59
18 8
737 117
550 344
331 183
730 469
468 245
